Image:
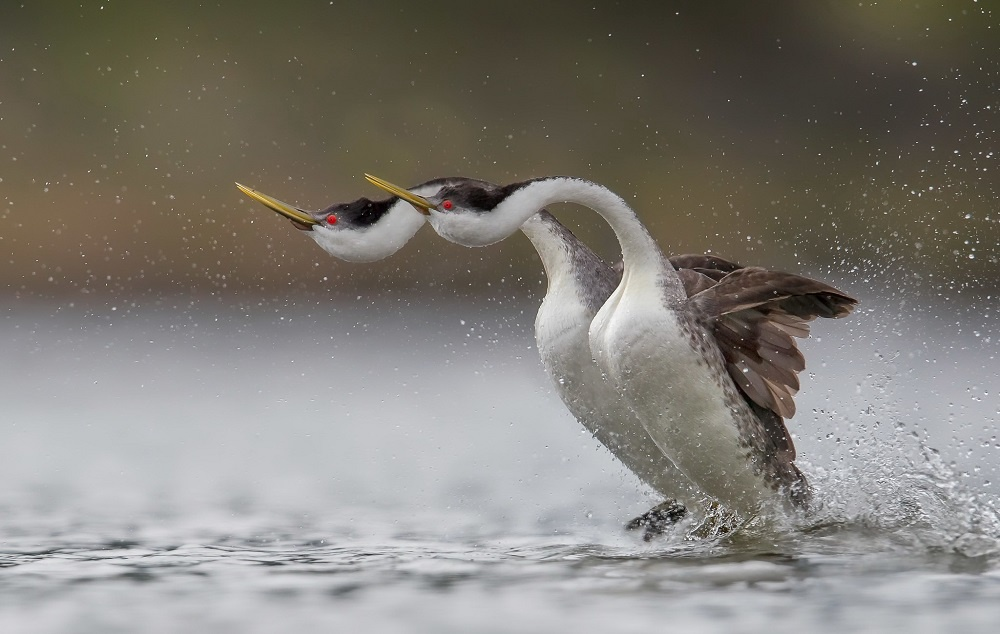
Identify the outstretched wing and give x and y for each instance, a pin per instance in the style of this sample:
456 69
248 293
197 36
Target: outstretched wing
755 314
711 265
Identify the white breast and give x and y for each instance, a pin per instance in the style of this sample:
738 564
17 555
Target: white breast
561 333
675 394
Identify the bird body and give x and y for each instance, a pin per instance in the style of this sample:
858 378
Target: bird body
709 376
661 364
661 360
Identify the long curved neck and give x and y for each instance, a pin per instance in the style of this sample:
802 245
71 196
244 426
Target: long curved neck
574 272
551 248
639 250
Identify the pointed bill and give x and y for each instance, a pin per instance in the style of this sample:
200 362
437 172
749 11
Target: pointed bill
292 213
422 204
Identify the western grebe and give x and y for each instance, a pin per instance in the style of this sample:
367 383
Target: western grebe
579 282
710 376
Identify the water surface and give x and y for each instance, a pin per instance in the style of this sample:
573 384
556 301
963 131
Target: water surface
403 466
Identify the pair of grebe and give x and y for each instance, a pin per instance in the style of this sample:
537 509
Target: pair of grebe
684 368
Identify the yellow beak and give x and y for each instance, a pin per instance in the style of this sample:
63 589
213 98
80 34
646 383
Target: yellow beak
286 210
423 205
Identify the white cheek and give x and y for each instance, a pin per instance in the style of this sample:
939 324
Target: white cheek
373 243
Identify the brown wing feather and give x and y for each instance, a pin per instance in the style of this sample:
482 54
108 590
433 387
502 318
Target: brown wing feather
694 282
796 295
711 265
755 313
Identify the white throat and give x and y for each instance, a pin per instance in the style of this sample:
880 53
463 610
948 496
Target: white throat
639 250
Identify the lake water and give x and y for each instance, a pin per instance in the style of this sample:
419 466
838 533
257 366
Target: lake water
402 465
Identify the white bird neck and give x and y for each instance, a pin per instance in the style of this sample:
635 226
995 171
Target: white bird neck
639 250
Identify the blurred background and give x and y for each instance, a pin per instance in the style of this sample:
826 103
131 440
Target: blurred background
857 141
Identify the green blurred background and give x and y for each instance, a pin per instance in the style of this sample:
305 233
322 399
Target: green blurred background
851 140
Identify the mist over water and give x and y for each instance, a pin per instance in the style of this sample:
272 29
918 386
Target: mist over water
255 465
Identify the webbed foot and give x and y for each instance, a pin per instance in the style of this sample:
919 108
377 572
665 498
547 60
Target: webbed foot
658 519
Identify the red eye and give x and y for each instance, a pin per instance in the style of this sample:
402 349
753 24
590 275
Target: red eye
447 205
331 219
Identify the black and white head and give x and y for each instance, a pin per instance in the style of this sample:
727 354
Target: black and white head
470 213
362 230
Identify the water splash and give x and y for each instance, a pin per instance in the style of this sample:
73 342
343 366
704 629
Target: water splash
901 493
